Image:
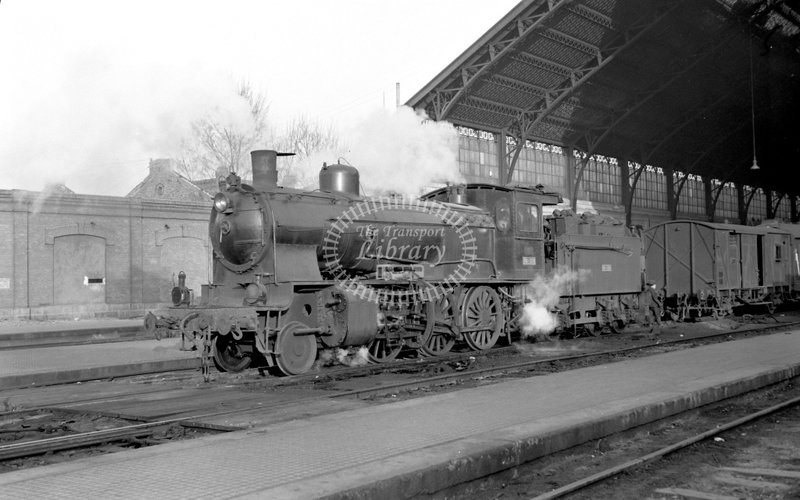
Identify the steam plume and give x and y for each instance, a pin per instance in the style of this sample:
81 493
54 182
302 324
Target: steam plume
543 295
402 151
357 357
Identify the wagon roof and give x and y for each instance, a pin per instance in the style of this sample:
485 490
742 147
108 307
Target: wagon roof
732 228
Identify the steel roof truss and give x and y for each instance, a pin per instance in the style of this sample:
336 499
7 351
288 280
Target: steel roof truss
494 50
580 75
540 92
542 63
571 42
594 16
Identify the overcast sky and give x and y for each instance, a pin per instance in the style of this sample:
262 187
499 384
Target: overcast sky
91 90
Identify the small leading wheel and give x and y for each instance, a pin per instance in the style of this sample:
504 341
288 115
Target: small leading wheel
482 318
229 355
439 337
295 351
385 346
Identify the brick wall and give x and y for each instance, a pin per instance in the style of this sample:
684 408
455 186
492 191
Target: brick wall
67 256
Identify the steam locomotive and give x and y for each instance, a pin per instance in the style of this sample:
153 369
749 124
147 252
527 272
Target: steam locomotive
297 271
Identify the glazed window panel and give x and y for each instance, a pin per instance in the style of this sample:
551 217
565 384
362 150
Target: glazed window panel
538 163
600 180
651 188
727 207
527 218
757 211
535 166
692 198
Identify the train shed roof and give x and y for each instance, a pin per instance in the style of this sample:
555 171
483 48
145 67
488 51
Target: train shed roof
668 83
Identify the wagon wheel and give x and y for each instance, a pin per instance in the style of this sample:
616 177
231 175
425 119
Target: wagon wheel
229 355
592 329
439 338
295 353
482 310
617 326
386 345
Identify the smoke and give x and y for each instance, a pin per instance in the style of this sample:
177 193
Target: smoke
106 117
542 296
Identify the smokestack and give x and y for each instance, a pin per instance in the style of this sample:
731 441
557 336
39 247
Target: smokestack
265 169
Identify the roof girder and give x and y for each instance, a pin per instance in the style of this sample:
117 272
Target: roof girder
532 117
524 26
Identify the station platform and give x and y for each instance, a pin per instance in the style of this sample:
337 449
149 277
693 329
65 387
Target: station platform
14 333
419 446
41 353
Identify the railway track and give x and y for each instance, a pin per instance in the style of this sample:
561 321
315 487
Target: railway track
421 385
544 365
666 450
87 439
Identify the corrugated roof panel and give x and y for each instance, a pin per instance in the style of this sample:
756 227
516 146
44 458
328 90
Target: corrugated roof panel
522 68
548 48
506 95
582 29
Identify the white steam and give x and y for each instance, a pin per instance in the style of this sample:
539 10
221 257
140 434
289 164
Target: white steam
402 151
396 152
542 295
353 356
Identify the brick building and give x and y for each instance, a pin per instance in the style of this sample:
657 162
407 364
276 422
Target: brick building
69 255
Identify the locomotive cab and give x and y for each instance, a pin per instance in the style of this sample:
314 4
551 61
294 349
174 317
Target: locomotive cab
517 213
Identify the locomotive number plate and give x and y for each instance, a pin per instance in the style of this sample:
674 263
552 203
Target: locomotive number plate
606 268
528 261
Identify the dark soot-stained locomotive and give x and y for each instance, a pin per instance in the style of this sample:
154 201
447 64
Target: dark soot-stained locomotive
295 271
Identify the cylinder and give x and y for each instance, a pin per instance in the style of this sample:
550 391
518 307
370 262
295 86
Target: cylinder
265 169
338 178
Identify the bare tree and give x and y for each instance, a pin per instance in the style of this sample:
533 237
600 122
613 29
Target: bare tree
219 144
312 143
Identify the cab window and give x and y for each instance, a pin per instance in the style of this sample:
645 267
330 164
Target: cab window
527 218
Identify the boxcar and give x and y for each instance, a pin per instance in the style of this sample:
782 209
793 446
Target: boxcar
710 268
794 254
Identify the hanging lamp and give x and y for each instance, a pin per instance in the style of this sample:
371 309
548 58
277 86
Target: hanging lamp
754 166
